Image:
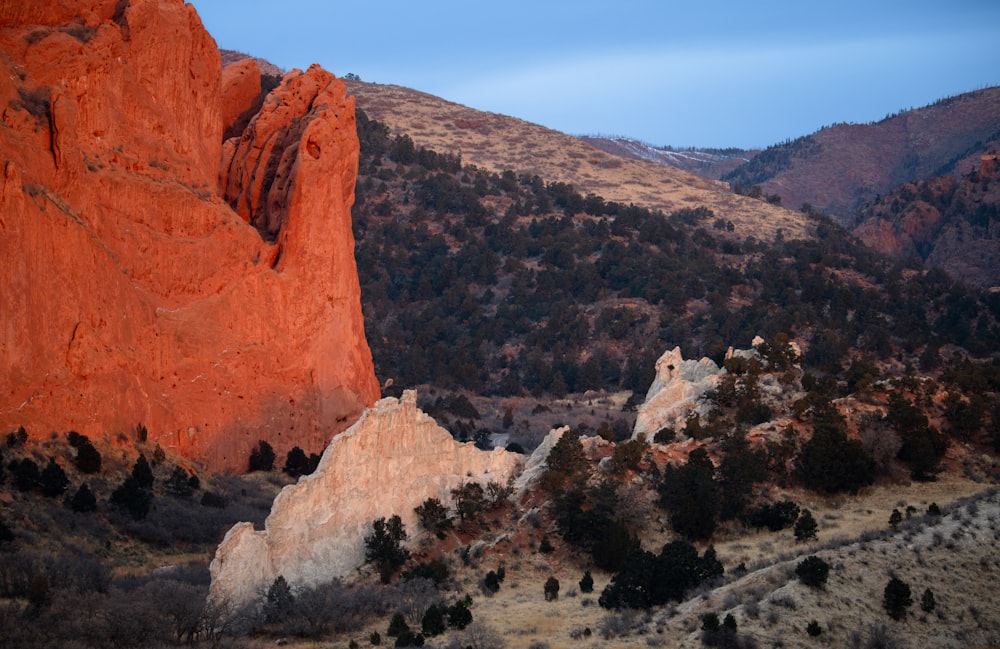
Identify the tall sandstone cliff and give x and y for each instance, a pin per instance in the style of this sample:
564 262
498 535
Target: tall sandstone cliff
131 291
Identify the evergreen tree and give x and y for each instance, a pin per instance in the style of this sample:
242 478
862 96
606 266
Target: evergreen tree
587 582
179 484
927 601
470 500
397 625
805 527
83 500
262 457
296 463
896 598
433 517
132 498
459 615
383 547
690 496
433 622
26 474
279 600
142 473
829 461
53 480
88 458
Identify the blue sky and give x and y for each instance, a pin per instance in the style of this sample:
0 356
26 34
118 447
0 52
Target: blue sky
716 74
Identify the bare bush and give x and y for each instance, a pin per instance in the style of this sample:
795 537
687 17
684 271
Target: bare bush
617 624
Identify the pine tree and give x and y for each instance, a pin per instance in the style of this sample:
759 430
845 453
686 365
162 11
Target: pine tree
53 479
142 473
383 547
83 500
896 598
262 457
279 600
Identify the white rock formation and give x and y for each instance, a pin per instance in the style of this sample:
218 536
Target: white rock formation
676 392
392 459
538 460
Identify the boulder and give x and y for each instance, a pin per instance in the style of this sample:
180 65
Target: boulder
391 460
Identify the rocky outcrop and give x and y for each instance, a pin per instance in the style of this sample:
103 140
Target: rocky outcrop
241 96
675 393
391 460
129 290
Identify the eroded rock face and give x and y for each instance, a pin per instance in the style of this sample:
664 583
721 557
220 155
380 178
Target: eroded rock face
391 460
675 393
129 290
241 96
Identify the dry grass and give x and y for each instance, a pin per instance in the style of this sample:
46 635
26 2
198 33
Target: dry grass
497 142
954 556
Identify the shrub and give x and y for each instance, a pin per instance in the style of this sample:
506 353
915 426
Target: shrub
545 547
896 598
773 516
587 582
813 571
814 629
665 435
805 527
710 622
409 639
927 601
491 583
435 570
895 519
551 589
459 615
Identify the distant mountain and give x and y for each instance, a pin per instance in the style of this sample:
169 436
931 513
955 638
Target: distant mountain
710 163
839 168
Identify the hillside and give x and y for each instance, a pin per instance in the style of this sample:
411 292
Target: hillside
947 221
497 143
738 426
709 163
839 168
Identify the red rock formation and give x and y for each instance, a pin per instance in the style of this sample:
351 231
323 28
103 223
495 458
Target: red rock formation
241 95
129 290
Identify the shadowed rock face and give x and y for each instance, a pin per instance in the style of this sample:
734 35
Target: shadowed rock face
390 461
130 291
